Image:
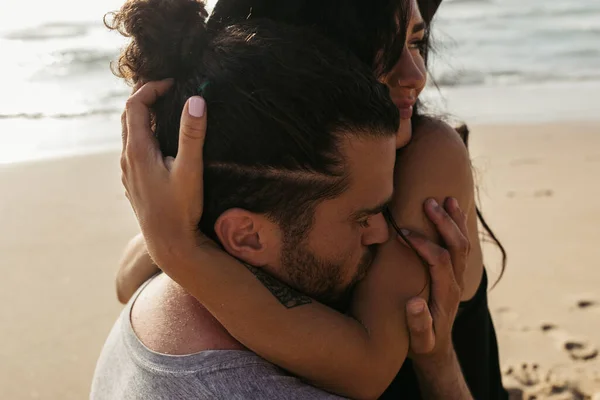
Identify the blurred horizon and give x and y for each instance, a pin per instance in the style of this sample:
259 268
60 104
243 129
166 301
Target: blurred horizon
496 61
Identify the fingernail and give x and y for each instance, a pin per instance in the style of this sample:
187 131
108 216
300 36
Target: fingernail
433 204
416 307
196 106
453 203
405 232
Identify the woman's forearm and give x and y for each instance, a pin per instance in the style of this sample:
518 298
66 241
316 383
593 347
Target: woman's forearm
135 268
329 349
442 379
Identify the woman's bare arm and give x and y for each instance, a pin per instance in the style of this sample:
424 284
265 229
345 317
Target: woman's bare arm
362 358
337 353
437 164
329 349
135 268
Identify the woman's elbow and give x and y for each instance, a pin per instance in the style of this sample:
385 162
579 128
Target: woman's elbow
130 265
369 390
372 383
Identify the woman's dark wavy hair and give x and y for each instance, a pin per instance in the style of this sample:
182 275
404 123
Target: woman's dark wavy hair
374 30
428 9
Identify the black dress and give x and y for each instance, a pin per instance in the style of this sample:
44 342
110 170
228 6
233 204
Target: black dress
476 347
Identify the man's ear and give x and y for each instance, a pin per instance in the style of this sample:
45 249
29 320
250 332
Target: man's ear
247 236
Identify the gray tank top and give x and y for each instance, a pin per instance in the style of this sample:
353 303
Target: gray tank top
127 369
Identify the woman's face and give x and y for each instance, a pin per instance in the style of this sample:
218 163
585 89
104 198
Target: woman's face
408 77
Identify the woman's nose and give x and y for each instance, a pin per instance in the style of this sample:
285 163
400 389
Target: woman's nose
409 72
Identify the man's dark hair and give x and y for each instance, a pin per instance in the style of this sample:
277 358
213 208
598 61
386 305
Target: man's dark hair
374 30
280 100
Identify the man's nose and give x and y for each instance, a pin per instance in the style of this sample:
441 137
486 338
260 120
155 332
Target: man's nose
378 231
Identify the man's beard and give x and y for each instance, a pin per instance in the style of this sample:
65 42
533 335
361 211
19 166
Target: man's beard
319 278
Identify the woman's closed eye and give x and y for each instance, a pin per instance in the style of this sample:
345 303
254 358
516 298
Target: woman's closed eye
418 44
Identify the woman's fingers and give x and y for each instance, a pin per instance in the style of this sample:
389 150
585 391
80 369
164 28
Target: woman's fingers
139 137
445 292
434 256
420 326
458 216
169 161
448 225
460 254
192 132
452 227
124 131
165 192
431 328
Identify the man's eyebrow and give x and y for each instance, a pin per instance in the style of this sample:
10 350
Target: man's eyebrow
373 210
418 27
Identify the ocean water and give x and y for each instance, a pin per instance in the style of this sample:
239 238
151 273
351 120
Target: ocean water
512 42
58 95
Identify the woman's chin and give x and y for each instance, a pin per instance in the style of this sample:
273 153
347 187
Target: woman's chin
404 133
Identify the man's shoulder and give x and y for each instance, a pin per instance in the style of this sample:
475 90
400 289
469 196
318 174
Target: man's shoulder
245 375
227 374
133 368
168 320
210 374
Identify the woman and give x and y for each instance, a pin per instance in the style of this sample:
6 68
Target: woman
434 164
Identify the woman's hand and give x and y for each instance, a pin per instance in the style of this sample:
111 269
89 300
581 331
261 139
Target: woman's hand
430 326
166 194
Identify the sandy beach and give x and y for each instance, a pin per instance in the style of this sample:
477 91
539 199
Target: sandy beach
64 223
539 190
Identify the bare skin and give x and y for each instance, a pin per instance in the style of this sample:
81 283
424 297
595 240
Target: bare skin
182 256
409 175
434 164
135 268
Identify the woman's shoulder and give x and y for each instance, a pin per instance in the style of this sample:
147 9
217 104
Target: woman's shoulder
435 164
436 149
435 137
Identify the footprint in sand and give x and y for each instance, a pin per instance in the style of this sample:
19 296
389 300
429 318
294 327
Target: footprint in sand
527 375
582 381
548 327
578 350
543 193
585 304
532 383
566 382
528 379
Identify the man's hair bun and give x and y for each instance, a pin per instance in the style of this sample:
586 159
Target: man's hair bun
168 38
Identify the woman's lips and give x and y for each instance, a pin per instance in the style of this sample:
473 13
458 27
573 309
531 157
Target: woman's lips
406 112
405 107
